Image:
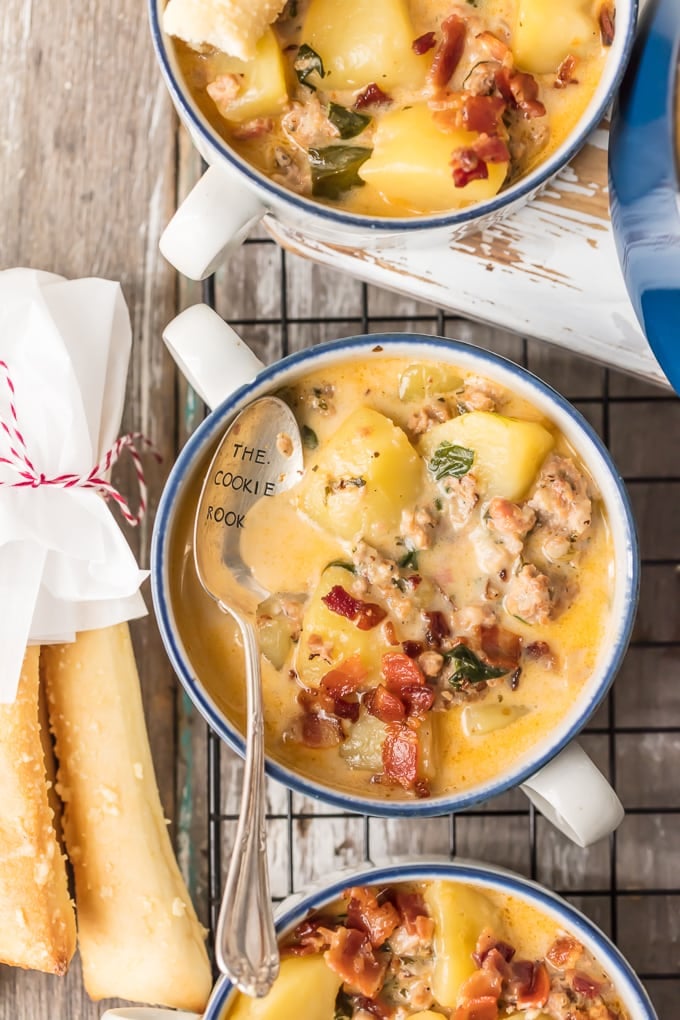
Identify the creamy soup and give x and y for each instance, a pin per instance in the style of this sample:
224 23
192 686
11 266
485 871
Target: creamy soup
441 579
432 950
395 108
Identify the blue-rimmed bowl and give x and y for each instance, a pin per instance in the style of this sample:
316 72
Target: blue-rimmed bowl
630 991
584 808
234 195
644 182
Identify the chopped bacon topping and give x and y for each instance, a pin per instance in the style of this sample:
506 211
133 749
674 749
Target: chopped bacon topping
384 705
320 731
607 23
520 90
565 73
487 942
351 956
372 95
365 615
345 678
437 629
565 951
485 1008
413 914
418 700
376 1007
413 648
540 650
467 166
424 43
313 935
450 50
501 647
585 985
496 47
482 984
376 920
400 671
400 755
483 113
531 984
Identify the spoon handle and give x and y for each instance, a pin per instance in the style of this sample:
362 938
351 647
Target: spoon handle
245 942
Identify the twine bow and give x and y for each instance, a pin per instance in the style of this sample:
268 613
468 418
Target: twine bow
29 477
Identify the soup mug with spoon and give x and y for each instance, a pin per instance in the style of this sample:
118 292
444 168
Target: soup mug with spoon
555 773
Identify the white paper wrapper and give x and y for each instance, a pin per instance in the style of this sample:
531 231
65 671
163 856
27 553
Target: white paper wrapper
65 565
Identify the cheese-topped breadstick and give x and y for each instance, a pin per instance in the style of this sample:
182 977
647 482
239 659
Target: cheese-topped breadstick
37 923
233 26
138 935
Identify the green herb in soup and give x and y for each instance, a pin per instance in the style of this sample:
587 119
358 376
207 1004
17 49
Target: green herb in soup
429 951
453 100
441 579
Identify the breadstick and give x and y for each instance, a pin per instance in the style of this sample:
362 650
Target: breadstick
138 934
233 26
37 923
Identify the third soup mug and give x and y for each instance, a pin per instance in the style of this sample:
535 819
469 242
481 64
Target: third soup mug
477 749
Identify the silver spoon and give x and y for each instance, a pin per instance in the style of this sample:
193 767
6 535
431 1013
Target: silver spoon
260 455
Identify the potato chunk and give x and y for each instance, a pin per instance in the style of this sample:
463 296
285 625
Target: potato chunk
263 90
508 452
411 159
480 719
364 41
460 913
547 32
327 638
300 976
364 477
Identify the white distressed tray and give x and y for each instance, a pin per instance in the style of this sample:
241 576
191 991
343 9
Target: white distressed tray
551 271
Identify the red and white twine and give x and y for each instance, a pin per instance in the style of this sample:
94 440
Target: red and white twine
28 477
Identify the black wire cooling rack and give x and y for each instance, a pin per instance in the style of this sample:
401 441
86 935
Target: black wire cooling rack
634 892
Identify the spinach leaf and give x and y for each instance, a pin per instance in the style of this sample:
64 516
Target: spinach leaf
335 169
410 559
341 563
469 667
306 63
347 121
309 437
449 460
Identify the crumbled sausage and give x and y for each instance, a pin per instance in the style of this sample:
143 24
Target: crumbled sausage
511 521
431 663
416 527
529 595
223 91
383 574
307 123
478 394
428 415
562 504
462 497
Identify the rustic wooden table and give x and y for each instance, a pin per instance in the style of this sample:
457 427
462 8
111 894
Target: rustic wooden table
91 165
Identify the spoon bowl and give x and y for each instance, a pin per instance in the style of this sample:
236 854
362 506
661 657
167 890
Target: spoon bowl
259 456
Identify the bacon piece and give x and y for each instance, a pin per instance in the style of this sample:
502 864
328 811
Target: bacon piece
400 671
565 73
501 647
385 705
467 166
449 51
344 678
496 47
413 648
364 615
400 755
376 920
488 941
565 950
520 89
531 984
351 956
482 984
437 629
485 1008
320 731
540 650
491 149
483 113
418 700
424 43
372 95
313 935
585 985
607 22
413 914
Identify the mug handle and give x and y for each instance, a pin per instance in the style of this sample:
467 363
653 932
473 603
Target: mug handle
571 792
210 354
213 220
148 1013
